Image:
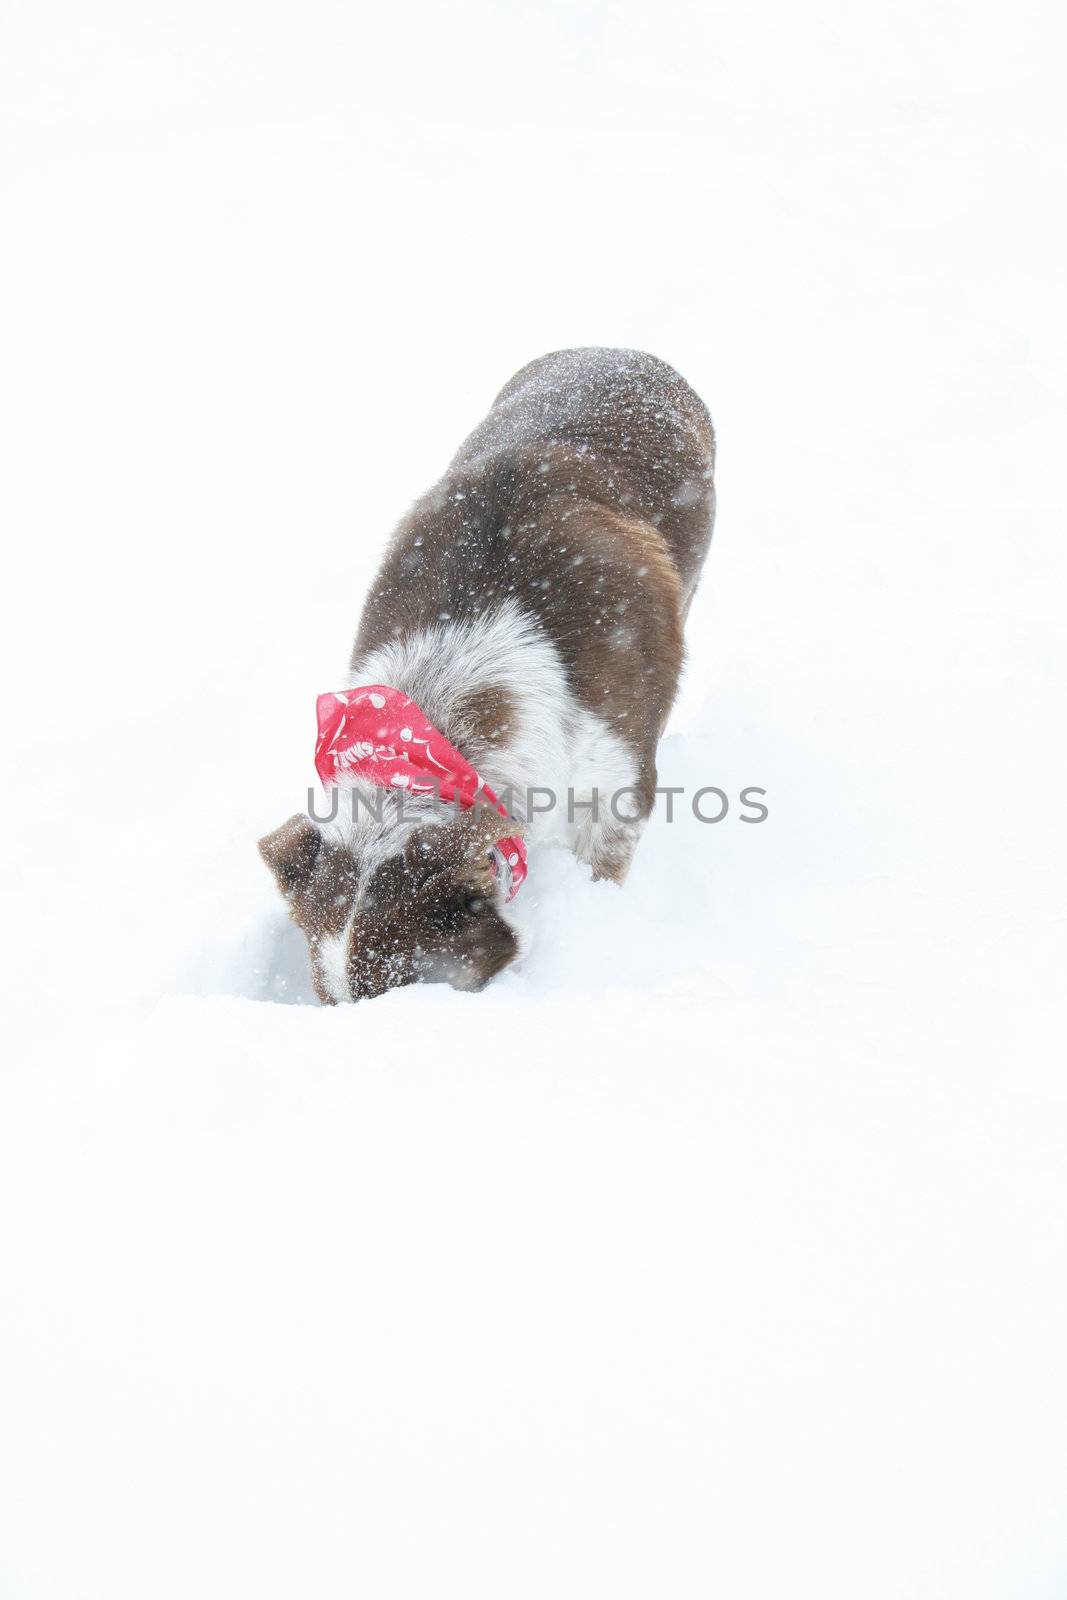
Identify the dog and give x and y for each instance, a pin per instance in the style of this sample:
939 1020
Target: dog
527 619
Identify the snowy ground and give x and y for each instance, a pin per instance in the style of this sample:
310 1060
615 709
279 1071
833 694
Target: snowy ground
719 1250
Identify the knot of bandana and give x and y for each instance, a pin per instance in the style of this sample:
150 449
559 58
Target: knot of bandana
377 733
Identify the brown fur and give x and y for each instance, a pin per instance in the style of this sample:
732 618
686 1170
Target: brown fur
483 719
443 881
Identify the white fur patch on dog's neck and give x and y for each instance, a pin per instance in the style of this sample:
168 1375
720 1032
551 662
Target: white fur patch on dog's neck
444 665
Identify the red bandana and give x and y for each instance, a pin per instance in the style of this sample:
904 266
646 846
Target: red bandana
379 734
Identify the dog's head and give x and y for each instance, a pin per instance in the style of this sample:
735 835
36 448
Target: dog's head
428 913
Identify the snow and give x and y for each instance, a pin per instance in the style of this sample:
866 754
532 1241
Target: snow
719 1248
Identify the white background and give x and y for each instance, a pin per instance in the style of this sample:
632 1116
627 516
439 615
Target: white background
717 1250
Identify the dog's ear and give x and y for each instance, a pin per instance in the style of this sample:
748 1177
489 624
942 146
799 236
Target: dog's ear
291 852
485 826
469 837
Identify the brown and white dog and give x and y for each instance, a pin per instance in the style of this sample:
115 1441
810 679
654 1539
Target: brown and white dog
532 604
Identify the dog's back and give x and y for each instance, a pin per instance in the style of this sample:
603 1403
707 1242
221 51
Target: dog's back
623 410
